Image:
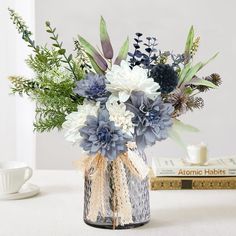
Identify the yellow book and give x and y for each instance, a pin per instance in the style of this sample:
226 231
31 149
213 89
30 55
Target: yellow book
196 183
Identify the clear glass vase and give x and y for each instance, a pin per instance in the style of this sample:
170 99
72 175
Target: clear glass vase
138 200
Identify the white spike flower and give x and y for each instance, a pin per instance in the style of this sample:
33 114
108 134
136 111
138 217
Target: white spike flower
123 80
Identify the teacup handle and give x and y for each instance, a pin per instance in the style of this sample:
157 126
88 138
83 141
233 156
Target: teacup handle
28 173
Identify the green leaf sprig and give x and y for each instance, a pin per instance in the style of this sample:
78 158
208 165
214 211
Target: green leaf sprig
102 60
61 50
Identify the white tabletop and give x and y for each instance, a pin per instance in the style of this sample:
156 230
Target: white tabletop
58 211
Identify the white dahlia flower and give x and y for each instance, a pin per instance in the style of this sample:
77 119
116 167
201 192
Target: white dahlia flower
75 120
123 80
121 116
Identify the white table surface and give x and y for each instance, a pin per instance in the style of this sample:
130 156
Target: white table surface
58 211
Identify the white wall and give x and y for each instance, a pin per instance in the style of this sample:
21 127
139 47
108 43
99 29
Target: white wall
169 20
7 103
17 140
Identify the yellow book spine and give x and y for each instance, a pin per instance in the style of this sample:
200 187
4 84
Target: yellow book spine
177 183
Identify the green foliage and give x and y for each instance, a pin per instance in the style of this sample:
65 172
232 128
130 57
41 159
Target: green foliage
55 78
180 126
122 55
188 74
94 54
176 130
61 51
203 82
23 29
54 99
101 61
22 86
189 41
54 102
46 60
105 40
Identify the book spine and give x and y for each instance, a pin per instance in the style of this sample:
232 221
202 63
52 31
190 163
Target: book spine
195 171
166 183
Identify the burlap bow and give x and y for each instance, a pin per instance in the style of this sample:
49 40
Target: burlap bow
95 168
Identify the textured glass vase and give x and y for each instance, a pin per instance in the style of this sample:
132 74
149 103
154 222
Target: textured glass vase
138 191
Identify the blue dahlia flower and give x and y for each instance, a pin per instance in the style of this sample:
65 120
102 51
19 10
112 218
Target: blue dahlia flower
152 118
101 135
92 87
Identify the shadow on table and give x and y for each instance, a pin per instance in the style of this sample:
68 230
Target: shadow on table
181 216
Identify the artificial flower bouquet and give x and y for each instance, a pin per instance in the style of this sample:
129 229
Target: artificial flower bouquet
113 107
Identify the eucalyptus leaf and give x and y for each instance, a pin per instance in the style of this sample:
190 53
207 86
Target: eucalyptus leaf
123 52
93 53
105 40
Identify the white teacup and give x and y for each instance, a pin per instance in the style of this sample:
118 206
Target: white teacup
13 175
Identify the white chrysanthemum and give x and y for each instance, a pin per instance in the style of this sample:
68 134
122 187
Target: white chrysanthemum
75 120
121 116
123 80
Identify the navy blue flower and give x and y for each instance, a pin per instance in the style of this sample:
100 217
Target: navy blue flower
152 118
100 135
92 87
165 76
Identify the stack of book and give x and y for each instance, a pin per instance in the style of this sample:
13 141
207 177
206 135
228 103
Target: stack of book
174 174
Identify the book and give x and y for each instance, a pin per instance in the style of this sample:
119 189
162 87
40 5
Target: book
195 183
225 166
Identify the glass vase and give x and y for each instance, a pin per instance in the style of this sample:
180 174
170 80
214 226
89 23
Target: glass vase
136 199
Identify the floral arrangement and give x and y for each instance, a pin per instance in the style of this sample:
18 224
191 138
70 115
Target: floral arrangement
113 105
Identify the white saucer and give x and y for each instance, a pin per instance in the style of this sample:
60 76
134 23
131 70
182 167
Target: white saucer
27 190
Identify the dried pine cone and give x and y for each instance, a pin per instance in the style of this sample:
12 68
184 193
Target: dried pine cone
179 101
183 102
195 103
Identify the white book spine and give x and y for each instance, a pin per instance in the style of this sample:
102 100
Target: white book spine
195 171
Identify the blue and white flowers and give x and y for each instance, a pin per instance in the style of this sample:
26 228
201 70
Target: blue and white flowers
136 97
92 87
121 106
123 80
140 91
75 120
120 115
99 134
152 118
